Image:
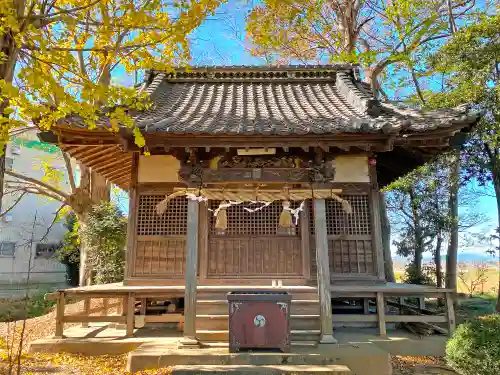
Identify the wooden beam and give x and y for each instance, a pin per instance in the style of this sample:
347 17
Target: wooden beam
189 338
377 245
415 319
132 218
95 319
60 307
450 313
103 167
86 310
323 272
305 242
88 156
203 242
167 318
130 314
118 174
324 147
109 157
381 314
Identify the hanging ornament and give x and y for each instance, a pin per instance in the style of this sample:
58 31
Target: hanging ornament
221 216
286 216
296 212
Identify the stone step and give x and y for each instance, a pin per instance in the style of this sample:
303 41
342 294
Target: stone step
220 322
298 306
264 369
308 294
223 335
361 358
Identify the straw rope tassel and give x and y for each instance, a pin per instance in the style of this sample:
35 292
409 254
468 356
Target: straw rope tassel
221 218
286 220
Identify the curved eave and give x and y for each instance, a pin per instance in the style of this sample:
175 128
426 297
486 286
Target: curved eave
109 161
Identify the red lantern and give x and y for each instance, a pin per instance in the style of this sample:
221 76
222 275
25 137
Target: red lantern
372 161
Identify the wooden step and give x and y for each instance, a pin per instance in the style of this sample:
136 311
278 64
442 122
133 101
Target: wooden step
221 322
307 294
304 322
260 369
301 306
223 335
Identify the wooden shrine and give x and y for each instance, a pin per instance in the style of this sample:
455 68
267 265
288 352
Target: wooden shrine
260 176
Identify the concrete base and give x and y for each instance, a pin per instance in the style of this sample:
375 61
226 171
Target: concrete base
363 351
153 355
397 342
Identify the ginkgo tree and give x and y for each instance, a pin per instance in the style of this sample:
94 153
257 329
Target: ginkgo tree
60 57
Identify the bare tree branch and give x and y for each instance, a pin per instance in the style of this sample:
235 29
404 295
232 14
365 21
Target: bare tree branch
13 204
49 228
39 183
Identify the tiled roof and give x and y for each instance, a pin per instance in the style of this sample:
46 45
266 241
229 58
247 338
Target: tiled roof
279 100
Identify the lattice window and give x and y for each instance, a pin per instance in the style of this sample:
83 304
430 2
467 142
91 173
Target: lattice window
339 222
261 223
172 223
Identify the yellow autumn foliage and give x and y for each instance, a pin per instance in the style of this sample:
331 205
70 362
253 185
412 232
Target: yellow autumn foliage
59 58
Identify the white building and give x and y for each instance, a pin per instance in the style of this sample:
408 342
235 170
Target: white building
28 156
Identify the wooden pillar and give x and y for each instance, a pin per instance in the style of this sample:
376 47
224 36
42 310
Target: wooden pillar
305 233
381 314
203 242
86 311
130 314
323 273
377 244
105 306
60 306
450 313
132 219
189 338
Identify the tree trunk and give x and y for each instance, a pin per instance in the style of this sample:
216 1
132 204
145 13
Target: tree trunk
386 240
419 241
93 189
437 260
84 275
452 255
496 183
100 189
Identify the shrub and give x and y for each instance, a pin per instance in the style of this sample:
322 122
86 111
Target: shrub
69 252
105 235
474 349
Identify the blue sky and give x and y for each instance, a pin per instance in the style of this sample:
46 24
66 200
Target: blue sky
220 40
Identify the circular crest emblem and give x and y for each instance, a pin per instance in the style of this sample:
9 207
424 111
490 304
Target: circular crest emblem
259 321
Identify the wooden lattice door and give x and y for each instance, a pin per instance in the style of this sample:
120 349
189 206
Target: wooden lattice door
253 245
350 245
160 250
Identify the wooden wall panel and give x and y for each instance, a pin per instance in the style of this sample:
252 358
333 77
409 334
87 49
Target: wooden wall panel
254 257
159 256
350 256
350 242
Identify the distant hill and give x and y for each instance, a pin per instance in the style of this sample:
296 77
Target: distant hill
400 262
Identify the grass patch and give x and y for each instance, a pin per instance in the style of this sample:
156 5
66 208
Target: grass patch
12 309
478 305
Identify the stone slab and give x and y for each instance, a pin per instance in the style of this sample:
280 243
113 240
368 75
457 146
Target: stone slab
397 342
263 370
374 360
